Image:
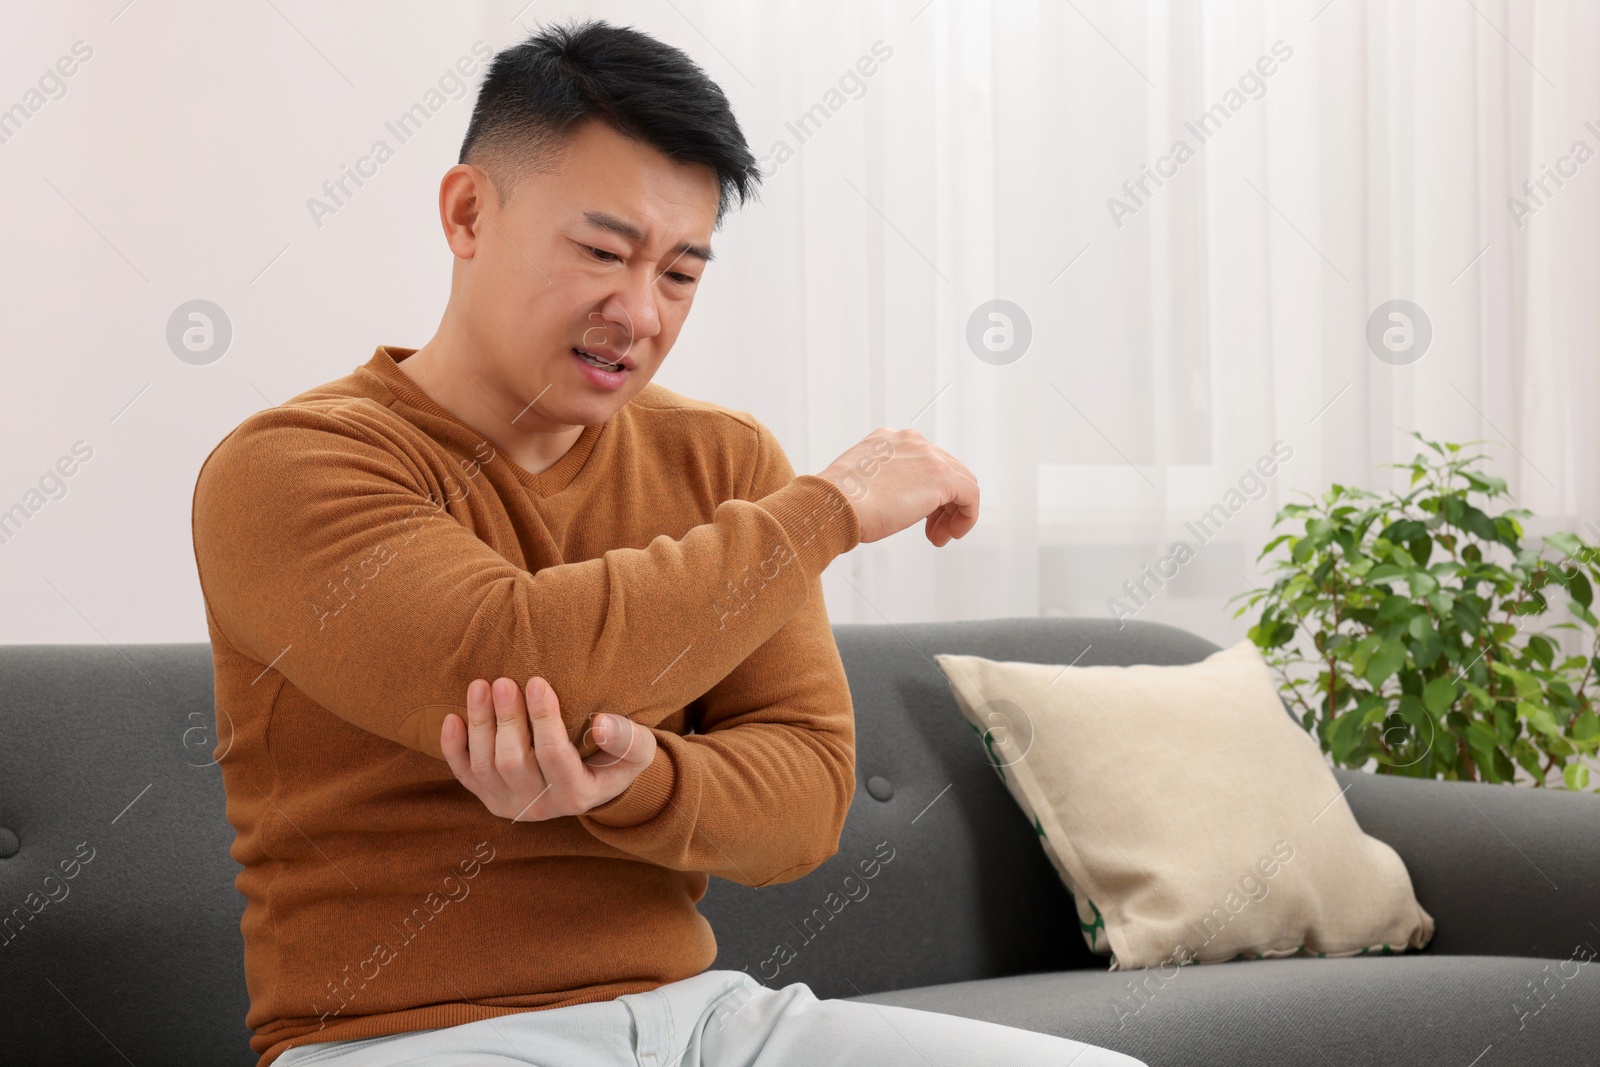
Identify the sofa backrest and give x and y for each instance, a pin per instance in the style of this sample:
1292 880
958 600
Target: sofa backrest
119 920
122 849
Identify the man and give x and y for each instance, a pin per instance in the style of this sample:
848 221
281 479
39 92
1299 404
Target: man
438 869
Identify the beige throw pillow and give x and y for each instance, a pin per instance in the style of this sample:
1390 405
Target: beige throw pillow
1191 818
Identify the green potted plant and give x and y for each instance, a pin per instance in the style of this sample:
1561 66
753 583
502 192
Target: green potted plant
1414 628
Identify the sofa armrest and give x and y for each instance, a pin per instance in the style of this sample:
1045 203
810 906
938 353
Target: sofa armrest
1504 870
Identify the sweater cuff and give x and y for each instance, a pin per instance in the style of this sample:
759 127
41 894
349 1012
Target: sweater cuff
645 798
819 519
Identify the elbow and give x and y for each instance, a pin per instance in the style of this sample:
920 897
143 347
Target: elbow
818 840
791 874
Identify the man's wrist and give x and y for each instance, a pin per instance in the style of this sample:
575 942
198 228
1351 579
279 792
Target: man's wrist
646 797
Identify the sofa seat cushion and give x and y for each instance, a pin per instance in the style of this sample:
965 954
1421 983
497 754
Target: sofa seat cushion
1417 1010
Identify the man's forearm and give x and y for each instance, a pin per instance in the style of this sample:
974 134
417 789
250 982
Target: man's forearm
760 794
759 806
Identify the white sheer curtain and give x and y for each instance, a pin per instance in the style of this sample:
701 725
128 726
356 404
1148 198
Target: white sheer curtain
1227 312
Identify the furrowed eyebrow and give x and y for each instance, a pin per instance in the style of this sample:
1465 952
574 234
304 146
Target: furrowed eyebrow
624 228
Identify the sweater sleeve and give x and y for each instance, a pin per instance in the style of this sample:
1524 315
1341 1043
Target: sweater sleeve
299 501
759 793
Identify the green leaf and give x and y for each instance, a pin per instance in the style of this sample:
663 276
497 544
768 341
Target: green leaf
1425 653
1562 541
1422 583
1580 590
1541 719
1528 759
1527 685
1376 711
1345 736
1411 710
1438 695
1394 609
1362 654
1576 776
1389 658
1587 727
1272 544
1541 650
1483 743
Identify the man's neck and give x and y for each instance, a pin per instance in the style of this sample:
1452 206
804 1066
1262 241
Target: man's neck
502 419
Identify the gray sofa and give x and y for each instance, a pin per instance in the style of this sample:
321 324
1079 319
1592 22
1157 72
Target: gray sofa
138 959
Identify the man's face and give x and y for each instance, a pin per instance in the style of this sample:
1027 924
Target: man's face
590 255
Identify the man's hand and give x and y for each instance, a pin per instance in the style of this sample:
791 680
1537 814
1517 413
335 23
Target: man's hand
527 777
895 477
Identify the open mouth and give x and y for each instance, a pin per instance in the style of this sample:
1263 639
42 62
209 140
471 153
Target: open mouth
596 361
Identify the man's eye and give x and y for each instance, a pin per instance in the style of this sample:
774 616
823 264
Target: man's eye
681 279
601 254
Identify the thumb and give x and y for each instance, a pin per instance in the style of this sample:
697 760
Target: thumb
621 740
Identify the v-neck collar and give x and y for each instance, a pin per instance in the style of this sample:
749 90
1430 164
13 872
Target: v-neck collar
557 477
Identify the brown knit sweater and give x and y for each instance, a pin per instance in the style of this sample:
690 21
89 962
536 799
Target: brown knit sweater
364 555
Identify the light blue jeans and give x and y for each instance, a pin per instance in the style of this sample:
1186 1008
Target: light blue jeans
714 1019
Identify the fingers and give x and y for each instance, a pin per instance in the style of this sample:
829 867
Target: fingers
962 509
453 743
463 743
948 522
481 731
957 516
558 758
517 758
961 514
513 752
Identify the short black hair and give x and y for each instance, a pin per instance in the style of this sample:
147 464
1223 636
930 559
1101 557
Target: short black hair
536 93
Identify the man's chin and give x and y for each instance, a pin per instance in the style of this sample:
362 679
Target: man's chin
589 406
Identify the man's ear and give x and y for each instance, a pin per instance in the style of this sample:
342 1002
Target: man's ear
463 193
